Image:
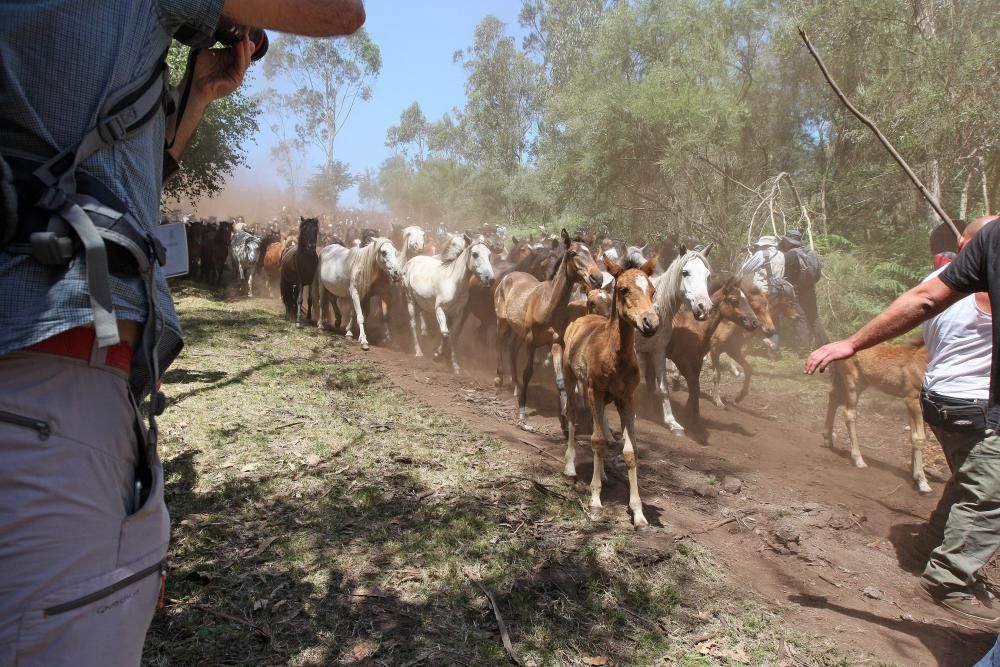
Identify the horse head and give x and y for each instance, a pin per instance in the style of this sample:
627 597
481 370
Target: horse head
478 261
453 248
413 239
387 259
580 263
784 304
633 296
308 233
733 303
693 284
761 307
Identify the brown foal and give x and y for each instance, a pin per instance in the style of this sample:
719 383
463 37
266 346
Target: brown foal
600 356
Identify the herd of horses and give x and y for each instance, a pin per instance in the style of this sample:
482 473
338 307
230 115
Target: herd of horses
577 300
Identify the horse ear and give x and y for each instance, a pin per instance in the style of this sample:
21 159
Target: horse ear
531 238
708 249
649 266
644 248
614 269
681 249
565 237
468 239
513 240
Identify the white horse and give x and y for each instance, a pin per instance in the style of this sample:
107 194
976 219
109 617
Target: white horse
351 272
413 244
442 288
685 280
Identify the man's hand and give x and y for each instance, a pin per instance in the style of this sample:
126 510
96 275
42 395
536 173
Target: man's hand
218 72
824 356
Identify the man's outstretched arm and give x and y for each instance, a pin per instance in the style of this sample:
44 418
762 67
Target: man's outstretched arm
312 18
913 307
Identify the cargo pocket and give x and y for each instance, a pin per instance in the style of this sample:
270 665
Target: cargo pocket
101 621
145 532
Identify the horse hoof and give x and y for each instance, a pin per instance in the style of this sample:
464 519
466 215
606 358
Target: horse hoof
675 428
498 383
642 527
365 347
860 464
924 487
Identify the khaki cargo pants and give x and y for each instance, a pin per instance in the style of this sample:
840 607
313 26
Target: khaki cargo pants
80 564
967 518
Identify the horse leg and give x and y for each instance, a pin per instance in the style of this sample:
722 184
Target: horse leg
740 358
626 411
557 366
851 417
569 469
529 369
442 321
359 315
599 445
451 340
664 391
299 292
717 379
917 440
832 403
411 308
502 332
250 284
515 351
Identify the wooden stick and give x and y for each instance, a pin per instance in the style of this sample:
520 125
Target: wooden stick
504 636
881 137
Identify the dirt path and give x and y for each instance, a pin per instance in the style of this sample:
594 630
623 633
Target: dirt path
814 537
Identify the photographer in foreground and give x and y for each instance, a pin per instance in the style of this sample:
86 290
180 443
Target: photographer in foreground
87 325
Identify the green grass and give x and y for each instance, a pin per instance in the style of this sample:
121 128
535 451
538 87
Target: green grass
321 516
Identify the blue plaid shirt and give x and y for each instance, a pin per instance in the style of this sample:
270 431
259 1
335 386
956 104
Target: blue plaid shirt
60 62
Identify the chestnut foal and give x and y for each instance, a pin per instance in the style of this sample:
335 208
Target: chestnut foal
600 356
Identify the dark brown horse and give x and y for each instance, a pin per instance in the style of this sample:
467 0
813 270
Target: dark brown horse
298 268
692 339
536 312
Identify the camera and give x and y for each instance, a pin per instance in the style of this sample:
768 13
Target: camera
229 34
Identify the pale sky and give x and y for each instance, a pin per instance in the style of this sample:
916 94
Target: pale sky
417 40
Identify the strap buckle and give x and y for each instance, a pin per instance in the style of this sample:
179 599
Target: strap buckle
112 130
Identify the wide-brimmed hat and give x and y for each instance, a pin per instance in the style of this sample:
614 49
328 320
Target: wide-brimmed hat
767 242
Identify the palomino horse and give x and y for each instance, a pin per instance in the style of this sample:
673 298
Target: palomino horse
298 269
600 356
351 273
735 341
691 339
537 313
897 370
433 286
684 281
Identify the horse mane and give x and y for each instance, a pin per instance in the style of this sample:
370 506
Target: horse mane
363 264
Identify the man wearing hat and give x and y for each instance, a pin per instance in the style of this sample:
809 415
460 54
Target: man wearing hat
803 269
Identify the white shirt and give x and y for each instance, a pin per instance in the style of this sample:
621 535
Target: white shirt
959 350
768 268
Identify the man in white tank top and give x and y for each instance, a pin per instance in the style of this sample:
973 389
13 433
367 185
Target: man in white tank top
965 525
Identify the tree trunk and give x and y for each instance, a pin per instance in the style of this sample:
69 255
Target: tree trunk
963 204
935 190
986 192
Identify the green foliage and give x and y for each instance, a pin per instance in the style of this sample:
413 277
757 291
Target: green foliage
220 143
328 182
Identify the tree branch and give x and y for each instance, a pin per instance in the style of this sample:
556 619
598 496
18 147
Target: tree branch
881 137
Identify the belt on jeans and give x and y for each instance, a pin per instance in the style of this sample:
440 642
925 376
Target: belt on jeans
78 343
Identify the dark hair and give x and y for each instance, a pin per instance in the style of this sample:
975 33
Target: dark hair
943 239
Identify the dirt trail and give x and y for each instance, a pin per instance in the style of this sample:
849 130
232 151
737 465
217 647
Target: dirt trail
814 537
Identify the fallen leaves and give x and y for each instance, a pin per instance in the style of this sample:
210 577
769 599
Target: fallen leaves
596 661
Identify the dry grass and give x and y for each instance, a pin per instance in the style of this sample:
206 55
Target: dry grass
320 517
